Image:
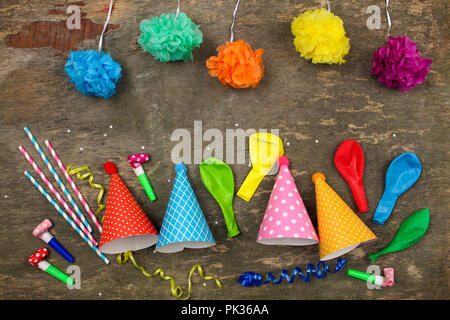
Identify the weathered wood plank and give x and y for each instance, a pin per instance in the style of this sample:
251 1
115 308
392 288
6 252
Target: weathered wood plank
314 107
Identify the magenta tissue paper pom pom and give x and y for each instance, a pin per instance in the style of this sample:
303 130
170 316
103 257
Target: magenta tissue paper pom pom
399 65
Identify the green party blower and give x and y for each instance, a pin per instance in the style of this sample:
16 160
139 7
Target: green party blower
372 278
37 259
410 231
135 160
218 179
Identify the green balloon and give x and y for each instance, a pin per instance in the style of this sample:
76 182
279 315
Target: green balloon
410 231
218 179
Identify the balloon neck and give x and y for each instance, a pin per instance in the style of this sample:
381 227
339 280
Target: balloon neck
230 220
384 208
250 184
373 257
359 194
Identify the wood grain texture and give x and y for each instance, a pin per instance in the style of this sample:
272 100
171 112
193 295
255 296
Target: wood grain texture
315 107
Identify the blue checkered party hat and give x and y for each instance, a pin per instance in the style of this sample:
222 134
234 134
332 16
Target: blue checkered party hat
184 224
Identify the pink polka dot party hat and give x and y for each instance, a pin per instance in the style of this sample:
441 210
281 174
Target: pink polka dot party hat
340 229
286 221
125 225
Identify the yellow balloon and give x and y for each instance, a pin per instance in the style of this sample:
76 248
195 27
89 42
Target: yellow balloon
265 149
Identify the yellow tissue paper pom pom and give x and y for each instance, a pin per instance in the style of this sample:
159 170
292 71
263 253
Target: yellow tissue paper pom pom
320 37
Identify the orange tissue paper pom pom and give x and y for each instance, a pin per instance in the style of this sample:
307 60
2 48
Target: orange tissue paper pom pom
237 65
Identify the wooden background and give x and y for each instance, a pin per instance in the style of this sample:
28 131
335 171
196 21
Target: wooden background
315 107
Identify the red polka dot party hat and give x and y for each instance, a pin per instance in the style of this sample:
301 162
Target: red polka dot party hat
286 221
125 225
340 229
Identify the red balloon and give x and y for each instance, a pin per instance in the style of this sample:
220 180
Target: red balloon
349 160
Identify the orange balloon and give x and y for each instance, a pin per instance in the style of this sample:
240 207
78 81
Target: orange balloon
237 65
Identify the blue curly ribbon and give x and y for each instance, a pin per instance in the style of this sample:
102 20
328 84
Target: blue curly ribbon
249 279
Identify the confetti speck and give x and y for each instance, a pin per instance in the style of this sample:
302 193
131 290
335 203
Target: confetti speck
6 196
317 141
394 135
100 294
110 126
68 130
81 149
105 135
142 147
287 143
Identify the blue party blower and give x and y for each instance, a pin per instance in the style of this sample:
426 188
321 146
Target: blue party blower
401 175
41 231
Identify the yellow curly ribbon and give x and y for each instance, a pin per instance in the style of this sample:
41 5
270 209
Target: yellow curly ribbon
94 185
176 290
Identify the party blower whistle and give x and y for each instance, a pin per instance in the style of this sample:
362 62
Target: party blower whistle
41 231
387 281
135 160
37 259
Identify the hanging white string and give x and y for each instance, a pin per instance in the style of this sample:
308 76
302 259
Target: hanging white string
328 4
388 19
178 9
234 20
105 26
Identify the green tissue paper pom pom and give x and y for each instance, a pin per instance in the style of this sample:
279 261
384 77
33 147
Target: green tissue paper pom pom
170 38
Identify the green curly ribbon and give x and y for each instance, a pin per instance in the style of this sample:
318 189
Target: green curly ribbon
176 290
80 176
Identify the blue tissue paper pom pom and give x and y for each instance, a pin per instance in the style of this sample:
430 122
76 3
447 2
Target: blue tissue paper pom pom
93 73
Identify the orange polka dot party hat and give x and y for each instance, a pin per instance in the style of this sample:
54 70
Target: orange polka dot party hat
340 229
125 225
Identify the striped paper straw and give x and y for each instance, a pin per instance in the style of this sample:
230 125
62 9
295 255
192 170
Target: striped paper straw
65 216
56 193
72 184
56 177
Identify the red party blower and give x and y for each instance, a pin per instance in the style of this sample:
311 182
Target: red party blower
349 160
